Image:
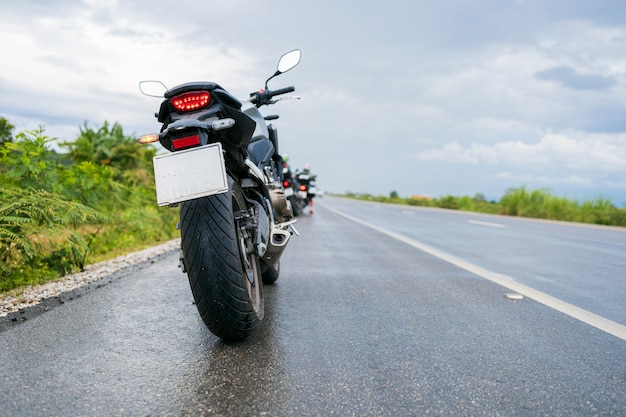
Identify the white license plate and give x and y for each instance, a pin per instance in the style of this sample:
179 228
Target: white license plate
194 173
288 192
302 194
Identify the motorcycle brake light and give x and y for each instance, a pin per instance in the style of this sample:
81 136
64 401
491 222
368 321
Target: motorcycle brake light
185 142
191 101
285 184
303 188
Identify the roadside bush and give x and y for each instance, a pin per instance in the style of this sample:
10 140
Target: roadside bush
523 203
37 230
60 211
448 202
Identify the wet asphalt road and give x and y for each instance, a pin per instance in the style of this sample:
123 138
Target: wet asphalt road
359 323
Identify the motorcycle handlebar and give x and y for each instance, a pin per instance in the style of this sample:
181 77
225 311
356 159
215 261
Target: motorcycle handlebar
283 91
265 97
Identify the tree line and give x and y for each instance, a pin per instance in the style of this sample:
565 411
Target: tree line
520 201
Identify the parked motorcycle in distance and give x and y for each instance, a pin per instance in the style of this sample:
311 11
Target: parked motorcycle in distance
290 184
306 188
225 172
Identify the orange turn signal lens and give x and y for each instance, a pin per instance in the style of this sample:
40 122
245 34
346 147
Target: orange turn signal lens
149 138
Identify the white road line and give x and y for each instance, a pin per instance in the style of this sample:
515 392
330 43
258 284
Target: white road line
489 224
506 281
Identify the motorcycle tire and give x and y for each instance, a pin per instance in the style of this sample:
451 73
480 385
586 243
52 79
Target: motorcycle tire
225 280
271 273
295 207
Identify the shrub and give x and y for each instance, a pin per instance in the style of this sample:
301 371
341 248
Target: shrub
33 227
59 210
520 202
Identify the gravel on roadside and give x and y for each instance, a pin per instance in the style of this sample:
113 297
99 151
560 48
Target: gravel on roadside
19 300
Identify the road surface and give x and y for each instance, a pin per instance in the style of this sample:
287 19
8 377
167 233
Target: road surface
380 310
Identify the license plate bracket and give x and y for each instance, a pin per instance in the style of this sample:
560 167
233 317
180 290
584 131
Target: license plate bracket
189 174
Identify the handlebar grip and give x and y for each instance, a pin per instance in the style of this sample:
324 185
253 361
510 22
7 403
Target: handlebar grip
283 91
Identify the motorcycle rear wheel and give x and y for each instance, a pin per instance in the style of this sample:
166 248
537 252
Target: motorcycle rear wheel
225 280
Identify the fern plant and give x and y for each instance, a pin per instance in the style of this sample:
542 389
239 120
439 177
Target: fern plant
29 217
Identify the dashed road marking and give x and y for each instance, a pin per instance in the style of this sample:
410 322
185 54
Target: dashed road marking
488 224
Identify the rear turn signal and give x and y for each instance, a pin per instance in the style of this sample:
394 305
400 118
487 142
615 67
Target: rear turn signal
191 101
149 138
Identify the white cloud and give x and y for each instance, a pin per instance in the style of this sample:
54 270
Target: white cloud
428 84
529 178
577 152
83 67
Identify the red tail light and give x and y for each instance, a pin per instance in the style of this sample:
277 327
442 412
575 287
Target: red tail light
303 188
285 184
191 101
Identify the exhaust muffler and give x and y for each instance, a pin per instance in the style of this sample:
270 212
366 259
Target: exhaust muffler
276 245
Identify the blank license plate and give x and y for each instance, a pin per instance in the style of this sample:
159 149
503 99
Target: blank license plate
189 174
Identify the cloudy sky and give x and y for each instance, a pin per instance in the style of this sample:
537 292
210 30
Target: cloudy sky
420 97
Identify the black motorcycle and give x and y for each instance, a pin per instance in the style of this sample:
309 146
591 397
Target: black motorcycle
225 172
291 186
306 189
